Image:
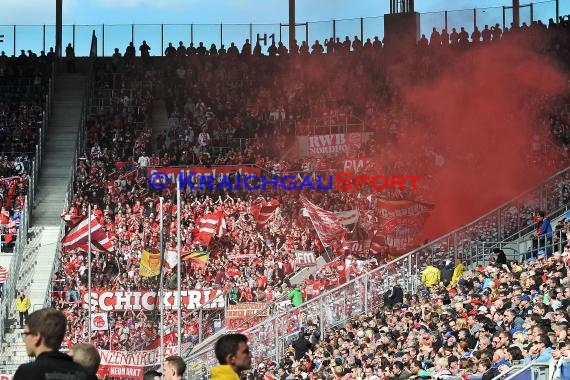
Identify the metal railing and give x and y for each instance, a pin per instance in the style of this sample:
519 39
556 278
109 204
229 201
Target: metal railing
364 293
41 37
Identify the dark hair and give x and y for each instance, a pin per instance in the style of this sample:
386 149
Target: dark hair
516 353
51 324
228 345
177 363
150 375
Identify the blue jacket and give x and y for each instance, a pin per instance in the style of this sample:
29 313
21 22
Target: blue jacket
542 358
546 228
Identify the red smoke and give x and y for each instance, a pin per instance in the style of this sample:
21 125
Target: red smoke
480 114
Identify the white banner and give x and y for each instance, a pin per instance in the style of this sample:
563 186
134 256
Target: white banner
305 259
99 321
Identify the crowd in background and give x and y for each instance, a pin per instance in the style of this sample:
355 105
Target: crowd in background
246 110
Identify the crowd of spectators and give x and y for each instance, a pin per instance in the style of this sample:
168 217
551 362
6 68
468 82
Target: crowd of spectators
23 89
237 111
472 324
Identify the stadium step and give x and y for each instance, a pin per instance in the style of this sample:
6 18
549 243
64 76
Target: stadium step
36 270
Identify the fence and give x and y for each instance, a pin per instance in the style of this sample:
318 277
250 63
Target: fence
42 37
363 294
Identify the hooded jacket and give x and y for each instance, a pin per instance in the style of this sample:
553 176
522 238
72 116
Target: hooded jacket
224 372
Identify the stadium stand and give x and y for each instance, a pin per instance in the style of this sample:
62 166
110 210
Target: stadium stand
241 110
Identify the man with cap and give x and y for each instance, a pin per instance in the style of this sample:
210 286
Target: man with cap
525 307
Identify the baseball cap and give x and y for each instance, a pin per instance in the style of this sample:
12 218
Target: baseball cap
524 297
541 252
483 309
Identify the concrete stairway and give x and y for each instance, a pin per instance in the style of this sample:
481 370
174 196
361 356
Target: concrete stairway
50 200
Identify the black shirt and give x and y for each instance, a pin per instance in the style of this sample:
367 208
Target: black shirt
52 365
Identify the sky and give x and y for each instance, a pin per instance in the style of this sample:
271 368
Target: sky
206 15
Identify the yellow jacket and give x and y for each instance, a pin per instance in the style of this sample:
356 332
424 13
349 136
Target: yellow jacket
23 305
223 372
457 274
430 276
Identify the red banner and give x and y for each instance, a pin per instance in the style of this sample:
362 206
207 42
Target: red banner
336 143
215 171
245 315
401 221
118 300
119 372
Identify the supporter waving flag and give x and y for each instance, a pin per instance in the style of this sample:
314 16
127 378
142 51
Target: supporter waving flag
210 224
262 210
328 227
78 237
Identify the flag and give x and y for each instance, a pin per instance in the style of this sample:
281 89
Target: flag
150 263
401 221
78 237
222 227
328 227
208 227
3 275
99 322
263 210
198 257
347 217
170 259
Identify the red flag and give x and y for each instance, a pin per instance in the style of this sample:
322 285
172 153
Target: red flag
208 227
263 210
328 227
78 237
401 221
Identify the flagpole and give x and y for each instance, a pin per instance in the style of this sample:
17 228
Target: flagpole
178 267
161 296
89 266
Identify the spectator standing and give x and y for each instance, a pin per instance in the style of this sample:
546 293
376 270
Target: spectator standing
87 356
23 304
43 335
70 55
296 296
3 279
174 368
232 352
430 276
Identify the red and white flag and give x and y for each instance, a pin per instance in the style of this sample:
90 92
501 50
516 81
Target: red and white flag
263 210
331 232
99 322
210 225
347 217
78 237
3 275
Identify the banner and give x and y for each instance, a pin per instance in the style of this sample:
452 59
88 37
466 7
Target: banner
99 322
347 218
241 256
119 372
215 171
335 143
401 221
149 264
119 300
357 165
305 259
245 315
137 359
